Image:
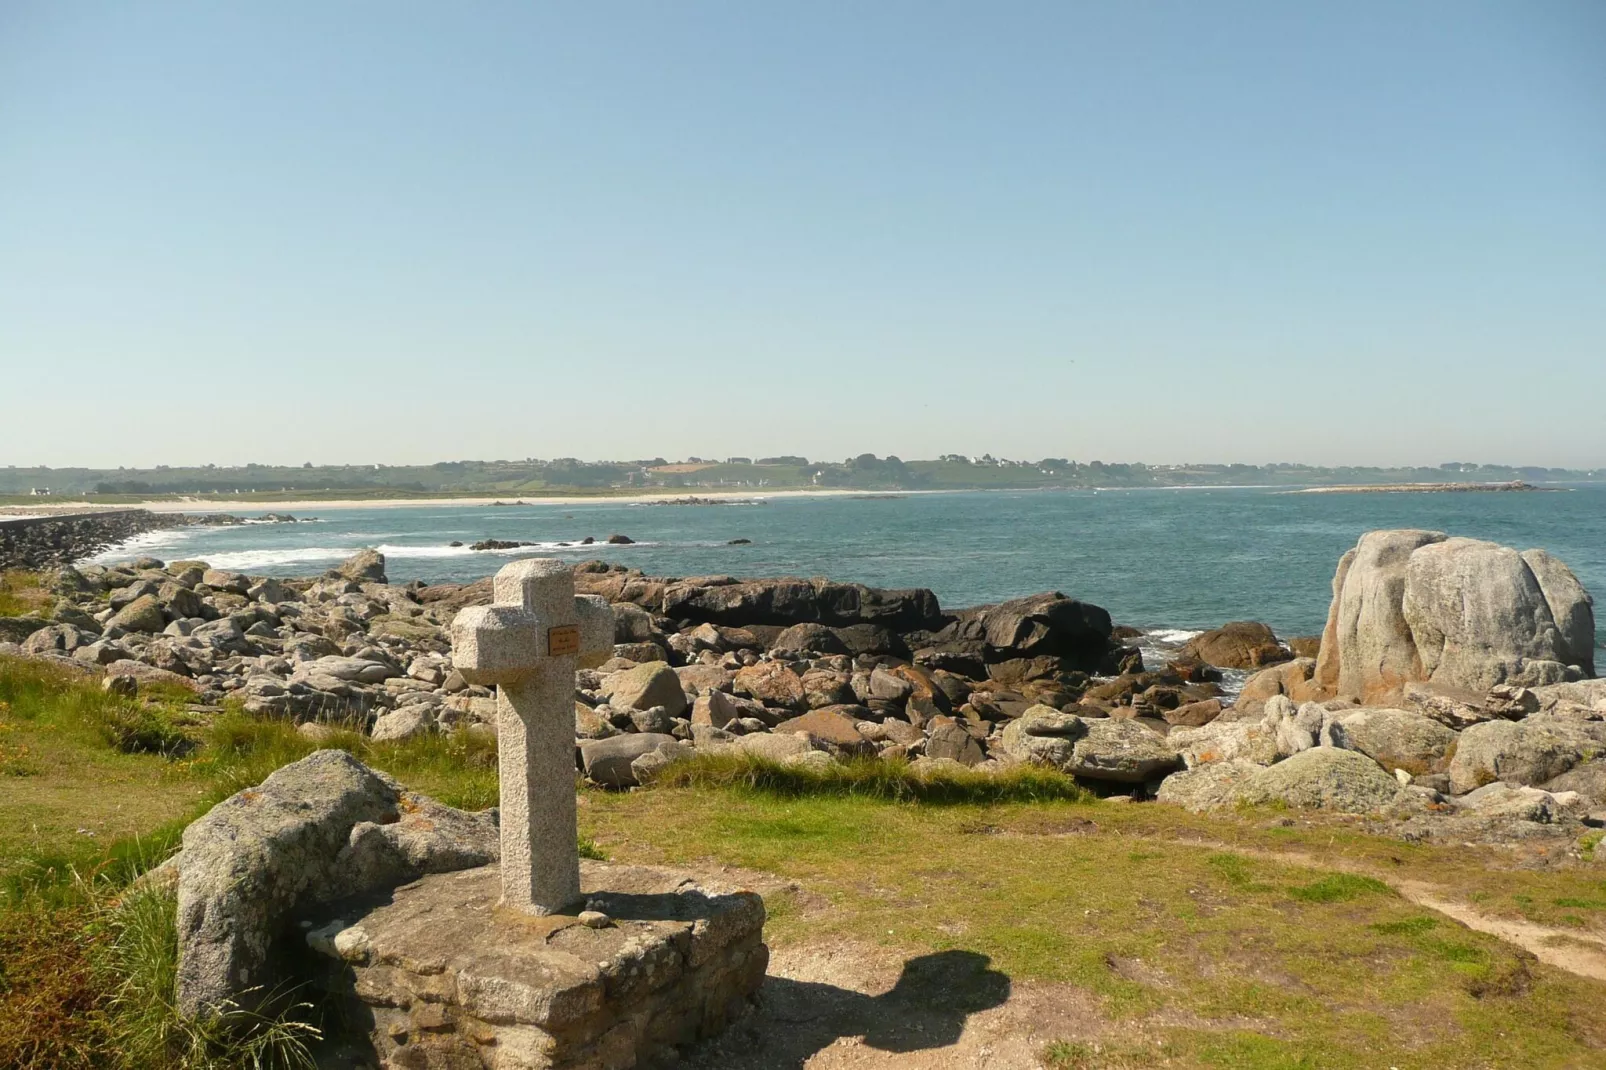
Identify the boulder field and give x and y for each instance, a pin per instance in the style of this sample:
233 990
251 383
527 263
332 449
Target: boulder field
1448 666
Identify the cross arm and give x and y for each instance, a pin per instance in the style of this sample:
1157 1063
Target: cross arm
494 644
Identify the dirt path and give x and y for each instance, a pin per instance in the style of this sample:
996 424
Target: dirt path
1577 952
1566 949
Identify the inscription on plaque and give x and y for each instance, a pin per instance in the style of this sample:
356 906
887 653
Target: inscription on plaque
562 641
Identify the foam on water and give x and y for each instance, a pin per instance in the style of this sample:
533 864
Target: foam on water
248 560
147 543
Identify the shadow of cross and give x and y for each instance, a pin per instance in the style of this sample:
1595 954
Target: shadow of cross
528 644
925 1011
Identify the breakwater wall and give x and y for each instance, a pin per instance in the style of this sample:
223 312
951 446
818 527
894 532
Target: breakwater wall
52 541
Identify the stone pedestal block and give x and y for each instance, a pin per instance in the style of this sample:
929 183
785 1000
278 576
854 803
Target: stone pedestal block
444 979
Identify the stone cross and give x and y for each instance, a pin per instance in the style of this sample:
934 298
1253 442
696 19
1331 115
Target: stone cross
528 643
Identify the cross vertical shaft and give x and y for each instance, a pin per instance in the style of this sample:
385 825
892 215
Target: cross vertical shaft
528 643
535 756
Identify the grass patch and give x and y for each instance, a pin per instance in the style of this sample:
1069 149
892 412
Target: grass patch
871 778
1236 870
136 962
1339 888
22 592
1407 926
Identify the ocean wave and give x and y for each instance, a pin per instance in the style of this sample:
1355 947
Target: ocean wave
1170 635
145 543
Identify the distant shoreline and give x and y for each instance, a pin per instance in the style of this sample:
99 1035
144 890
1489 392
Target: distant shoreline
212 505
703 496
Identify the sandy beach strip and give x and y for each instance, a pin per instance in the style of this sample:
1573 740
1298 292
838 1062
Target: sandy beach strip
209 505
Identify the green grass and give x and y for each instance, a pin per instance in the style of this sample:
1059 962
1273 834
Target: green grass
1191 942
870 778
1194 955
22 592
1339 888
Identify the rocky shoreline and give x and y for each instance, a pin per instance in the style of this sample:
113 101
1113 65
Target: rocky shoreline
1405 710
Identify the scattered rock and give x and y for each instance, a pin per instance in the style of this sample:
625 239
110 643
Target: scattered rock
646 686
608 761
143 614
364 566
1395 739
1096 748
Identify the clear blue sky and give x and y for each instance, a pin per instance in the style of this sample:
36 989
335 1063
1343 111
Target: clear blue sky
1351 232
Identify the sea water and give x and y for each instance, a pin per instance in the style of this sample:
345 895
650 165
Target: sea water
1162 560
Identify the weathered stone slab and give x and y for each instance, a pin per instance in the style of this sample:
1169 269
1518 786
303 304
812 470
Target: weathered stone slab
444 979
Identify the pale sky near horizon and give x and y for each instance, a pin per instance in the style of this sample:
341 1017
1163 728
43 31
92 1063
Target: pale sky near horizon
1360 232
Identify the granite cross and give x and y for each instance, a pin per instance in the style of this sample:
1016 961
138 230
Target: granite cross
528 643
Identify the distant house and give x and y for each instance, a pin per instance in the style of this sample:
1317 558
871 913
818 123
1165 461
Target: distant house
40 492
738 460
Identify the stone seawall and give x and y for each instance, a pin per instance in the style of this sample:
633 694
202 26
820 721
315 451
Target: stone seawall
52 541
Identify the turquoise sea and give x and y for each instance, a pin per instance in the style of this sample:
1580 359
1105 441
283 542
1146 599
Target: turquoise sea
1157 559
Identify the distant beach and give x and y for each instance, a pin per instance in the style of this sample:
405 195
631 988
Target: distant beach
243 505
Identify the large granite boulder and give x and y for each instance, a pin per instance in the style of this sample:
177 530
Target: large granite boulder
831 730
1421 606
1214 785
315 831
1529 752
1320 778
1292 678
773 683
1583 700
809 638
1242 644
1570 606
1325 778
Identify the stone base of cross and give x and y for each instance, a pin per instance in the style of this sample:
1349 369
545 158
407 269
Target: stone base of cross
528 644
